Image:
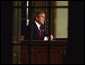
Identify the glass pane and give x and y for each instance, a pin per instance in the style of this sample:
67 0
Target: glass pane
23 26
23 13
17 3
62 3
39 3
16 24
24 3
61 23
33 3
16 54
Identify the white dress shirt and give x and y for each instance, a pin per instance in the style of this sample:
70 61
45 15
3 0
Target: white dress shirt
38 25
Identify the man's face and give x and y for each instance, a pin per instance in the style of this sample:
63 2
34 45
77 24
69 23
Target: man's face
41 18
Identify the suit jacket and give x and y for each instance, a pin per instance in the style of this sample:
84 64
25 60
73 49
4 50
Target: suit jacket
32 31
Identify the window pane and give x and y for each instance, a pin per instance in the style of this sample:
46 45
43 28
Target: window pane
16 24
33 3
61 23
16 54
39 3
23 10
17 3
62 3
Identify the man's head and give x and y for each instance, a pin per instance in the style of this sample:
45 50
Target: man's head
40 17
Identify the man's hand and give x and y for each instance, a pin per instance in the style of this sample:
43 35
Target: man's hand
46 38
51 37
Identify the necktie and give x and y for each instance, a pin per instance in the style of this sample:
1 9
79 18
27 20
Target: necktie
40 31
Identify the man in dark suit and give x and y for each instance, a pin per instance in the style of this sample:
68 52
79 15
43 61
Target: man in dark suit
36 29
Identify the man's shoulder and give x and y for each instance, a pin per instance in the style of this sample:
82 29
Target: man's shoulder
32 25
